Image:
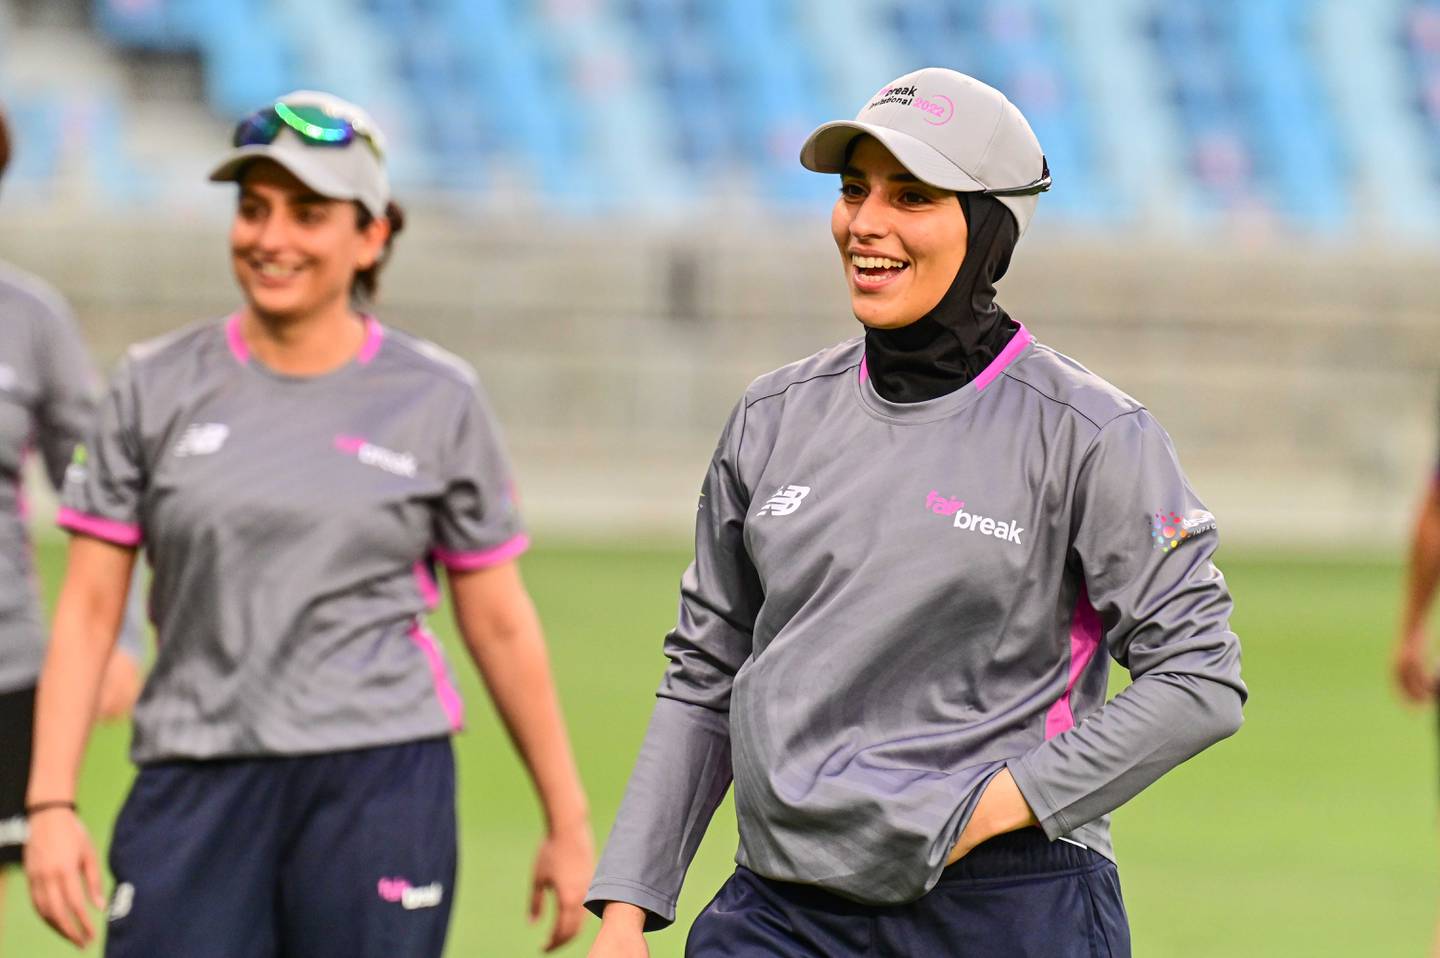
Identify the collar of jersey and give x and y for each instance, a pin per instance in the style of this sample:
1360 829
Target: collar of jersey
374 337
941 406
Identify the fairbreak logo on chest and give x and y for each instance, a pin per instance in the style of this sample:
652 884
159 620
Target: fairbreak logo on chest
395 463
1007 530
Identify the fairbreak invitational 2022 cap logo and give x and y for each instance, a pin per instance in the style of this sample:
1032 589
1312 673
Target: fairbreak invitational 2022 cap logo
938 108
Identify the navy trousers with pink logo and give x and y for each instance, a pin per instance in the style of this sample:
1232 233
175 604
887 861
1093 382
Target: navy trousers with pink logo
1015 896
341 854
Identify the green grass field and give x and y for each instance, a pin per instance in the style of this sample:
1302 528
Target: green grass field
1311 833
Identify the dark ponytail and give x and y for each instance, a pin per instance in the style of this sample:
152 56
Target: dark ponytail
366 284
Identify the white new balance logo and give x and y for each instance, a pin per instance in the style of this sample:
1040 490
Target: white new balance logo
202 439
785 501
13 831
122 901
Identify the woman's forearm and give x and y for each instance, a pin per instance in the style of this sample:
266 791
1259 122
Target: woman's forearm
509 650
87 619
516 670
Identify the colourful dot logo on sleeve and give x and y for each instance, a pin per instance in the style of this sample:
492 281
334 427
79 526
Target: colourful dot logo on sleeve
1169 529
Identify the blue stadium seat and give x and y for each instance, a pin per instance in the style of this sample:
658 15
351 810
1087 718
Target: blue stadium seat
1391 171
500 59
1304 113
247 58
854 51
771 78
1293 131
100 124
1020 55
144 24
36 124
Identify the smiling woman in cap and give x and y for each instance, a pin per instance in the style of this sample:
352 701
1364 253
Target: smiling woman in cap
913 550
295 473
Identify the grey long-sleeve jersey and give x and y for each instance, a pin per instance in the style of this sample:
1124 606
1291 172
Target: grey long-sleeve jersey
891 603
48 389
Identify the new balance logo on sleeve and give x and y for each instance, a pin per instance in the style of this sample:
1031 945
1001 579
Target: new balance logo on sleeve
785 501
202 439
1009 530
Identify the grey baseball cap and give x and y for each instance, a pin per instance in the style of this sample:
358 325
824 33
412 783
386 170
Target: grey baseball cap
354 171
951 131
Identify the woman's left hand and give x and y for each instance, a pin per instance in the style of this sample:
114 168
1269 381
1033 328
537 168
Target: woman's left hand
564 866
1001 809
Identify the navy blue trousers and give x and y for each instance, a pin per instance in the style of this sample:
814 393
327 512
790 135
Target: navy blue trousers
341 854
1015 896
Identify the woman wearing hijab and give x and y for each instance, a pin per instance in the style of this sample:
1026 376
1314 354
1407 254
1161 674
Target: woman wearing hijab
910 551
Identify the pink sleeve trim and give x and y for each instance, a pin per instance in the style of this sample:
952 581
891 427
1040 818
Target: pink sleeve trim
463 561
120 533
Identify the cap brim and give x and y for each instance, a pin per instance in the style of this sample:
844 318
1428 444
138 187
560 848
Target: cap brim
824 152
314 175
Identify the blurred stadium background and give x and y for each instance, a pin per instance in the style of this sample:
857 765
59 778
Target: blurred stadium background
608 219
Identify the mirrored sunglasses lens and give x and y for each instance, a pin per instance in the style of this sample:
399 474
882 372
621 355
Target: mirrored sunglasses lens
257 130
315 124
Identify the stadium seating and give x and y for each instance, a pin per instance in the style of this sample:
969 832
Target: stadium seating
1285 116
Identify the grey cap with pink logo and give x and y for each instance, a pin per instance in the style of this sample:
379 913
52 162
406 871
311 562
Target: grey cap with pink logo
951 131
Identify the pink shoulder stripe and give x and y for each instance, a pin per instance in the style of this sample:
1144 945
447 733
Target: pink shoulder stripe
374 336
236 342
463 561
1015 347
119 533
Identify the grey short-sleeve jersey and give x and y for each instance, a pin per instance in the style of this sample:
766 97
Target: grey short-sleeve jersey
47 398
293 525
890 603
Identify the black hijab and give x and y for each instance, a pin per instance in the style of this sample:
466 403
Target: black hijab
954 342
